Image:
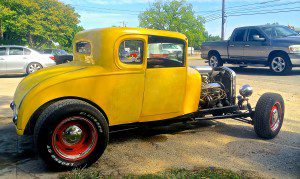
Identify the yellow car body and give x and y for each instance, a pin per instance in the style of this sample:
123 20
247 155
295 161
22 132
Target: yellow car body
124 93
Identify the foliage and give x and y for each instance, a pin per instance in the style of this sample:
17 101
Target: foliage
210 172
175 15
37 23
210 38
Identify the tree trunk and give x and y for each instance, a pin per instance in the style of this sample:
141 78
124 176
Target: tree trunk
1 31
30 40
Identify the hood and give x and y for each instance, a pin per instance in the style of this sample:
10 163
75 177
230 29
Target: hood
36 78
291 40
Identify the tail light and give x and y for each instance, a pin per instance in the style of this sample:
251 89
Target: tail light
52 57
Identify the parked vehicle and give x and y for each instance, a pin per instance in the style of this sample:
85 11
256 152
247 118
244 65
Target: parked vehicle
60 56
270 45
104 90
22 60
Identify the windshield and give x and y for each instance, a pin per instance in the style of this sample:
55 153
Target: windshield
279 31
169 46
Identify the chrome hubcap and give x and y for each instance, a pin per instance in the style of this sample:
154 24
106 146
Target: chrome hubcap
34 67
72 135
213 61
278 64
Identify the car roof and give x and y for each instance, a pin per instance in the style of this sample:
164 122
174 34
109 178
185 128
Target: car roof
13 46
260 26
135 31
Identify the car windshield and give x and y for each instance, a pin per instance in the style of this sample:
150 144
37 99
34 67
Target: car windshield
279 31
169 46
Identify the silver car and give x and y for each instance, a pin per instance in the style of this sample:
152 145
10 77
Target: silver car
22 60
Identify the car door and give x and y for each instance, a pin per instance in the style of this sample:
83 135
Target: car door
16 60
236 44
3 55
256 49
165 79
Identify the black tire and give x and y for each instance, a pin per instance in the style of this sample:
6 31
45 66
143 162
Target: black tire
214 60
94 138
287 64
33 67
264 119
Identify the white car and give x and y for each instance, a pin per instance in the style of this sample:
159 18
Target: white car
22 60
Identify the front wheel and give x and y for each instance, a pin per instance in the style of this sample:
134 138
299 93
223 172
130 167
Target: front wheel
71 134
269 115
280 64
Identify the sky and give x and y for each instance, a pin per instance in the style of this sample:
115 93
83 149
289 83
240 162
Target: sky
106 13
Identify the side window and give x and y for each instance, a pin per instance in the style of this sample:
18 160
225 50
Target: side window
47 51
27 52
165 52
15 51
254 32
2 51
83 47
131 51
239 35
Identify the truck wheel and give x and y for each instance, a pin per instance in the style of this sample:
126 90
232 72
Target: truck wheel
33 67
215 60
280 64
268 116
70 134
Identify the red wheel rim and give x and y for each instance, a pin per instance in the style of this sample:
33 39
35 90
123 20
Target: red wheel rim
275 116
74 138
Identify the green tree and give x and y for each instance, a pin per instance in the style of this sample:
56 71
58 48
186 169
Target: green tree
209 37
38 23
175 15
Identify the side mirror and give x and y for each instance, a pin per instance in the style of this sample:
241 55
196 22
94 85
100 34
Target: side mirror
257 38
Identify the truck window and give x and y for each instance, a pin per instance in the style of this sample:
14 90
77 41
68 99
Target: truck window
254 32
131 51
165 52
239 35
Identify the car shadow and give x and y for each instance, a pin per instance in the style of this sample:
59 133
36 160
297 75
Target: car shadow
13 76
18 152
261 71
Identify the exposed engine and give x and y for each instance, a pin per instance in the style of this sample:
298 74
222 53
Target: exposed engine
218 87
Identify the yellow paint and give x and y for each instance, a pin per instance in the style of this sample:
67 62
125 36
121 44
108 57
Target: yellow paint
126 93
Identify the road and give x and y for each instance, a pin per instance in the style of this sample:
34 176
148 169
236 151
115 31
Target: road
224 143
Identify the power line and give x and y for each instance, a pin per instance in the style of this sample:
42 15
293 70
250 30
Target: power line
234 7
253 11
258 13
259 7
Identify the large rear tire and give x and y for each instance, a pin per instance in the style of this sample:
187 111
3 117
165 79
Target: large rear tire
269 115
70 134
214 60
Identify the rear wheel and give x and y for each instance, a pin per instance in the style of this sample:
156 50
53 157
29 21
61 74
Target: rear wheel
214 60
71 134
33 67
280 64
269 115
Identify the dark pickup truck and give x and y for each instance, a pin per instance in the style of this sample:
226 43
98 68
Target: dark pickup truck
271 45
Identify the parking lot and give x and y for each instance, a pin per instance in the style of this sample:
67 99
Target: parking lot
224 143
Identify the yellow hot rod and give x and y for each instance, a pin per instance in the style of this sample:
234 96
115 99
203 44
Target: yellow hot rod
130 76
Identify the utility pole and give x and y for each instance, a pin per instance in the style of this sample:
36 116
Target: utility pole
223 19
123 24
